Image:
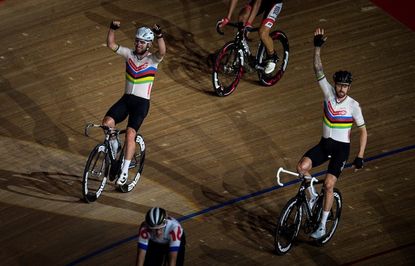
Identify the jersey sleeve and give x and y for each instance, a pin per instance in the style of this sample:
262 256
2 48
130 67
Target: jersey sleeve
143 238
175 238
123 51
327 89
357 114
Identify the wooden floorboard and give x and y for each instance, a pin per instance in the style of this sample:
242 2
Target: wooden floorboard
203 151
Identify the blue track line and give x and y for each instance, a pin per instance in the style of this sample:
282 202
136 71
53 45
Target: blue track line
233 201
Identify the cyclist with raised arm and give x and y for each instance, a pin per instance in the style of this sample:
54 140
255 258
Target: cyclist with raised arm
271 10
161 238
141 67
340 111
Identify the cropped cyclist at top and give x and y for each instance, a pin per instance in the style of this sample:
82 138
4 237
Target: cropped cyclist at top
141 68
340 111
161 239
271 9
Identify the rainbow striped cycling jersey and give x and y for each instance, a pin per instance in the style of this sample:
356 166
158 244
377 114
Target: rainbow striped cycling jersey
338 117
172 234
139 73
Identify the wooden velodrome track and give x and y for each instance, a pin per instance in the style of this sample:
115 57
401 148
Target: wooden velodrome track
203 152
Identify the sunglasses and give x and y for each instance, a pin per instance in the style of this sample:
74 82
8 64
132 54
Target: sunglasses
139 41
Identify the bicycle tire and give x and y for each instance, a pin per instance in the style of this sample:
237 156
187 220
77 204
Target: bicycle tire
227 69
95 173
333 219
136 165
282 48
288 227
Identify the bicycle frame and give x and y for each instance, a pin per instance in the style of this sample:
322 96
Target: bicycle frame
236 58
241 41
288 227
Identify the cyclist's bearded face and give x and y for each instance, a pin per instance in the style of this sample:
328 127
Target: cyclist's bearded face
341 90
141 46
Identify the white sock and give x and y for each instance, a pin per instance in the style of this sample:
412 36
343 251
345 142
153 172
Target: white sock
324 218
125 166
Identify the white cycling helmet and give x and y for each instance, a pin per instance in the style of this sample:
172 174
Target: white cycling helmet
144 33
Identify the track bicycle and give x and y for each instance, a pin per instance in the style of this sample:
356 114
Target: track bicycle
235 58
297 214
104 164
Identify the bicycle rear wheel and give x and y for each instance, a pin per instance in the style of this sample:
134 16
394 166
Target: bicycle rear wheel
288 226
282 49
227 69
136 165
95 173
333 219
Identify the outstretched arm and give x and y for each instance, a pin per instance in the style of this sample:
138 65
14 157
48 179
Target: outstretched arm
319 40
141 254
160 41
111 35
172 258
232 5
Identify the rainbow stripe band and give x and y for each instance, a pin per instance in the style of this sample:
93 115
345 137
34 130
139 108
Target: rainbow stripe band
332 120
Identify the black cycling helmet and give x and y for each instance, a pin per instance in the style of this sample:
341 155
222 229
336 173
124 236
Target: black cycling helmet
156 218
343 77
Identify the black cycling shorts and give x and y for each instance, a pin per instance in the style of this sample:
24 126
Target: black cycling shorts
328 149
157 253
265 7
136 108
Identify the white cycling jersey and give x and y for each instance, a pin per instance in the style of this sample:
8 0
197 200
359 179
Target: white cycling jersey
172 234
139 73
339 116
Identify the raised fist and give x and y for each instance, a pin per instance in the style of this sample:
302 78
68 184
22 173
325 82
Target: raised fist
115 25
319 38
157 30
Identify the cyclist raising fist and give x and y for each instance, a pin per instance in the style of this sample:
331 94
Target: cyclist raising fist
141 68
340 111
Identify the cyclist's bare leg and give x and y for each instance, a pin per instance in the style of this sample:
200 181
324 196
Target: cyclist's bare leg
244 14
264 32
128 154
329 184
108 121
130 143
304 166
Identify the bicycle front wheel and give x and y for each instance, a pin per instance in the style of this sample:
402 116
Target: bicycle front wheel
282 49
333 219
288 226
95 173
136 165
227 69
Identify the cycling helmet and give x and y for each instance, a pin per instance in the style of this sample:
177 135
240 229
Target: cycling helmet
343 77
156 218
144 33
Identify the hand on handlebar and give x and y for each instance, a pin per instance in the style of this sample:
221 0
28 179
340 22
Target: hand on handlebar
222 23
247 29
